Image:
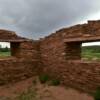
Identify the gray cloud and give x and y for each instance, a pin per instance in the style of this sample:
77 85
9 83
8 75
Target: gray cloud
36 18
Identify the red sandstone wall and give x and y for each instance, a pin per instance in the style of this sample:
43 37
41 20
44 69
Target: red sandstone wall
81 75
52 51
27 49
24 63
53 56
13 69
57 58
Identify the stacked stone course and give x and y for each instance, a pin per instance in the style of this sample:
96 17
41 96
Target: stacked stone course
58 55
61 56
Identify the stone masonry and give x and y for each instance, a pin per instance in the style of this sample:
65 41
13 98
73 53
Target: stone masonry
58 55
24 61
61 56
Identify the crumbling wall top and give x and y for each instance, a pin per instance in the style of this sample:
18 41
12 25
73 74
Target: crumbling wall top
89 31
10 36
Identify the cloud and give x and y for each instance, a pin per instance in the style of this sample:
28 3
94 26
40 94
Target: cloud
36 18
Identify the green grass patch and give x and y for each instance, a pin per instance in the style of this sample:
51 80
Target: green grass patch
91 52
97 94
43 78
50 81
55 82
5 54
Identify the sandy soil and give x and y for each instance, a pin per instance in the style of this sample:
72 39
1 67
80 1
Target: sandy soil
43 92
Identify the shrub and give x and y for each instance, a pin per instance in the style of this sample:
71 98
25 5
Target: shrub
34 82
55 82
97 94
43 78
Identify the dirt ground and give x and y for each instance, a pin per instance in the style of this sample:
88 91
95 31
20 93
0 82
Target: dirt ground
31 90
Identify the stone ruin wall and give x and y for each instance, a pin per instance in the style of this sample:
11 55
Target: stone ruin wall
54 56
62 60
23 63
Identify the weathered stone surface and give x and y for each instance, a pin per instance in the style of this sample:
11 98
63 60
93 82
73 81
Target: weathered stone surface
24 61
58 55
10 36
61 56
12 70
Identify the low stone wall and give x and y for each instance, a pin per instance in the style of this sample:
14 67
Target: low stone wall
81 75
24 62
61 60
13 69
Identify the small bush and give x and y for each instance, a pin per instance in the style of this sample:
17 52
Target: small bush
55 82
34 82
97 94
43 78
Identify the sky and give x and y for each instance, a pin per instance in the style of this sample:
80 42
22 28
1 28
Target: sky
38 18
4 44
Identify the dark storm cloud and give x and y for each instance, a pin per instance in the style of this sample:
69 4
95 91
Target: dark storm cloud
35 18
